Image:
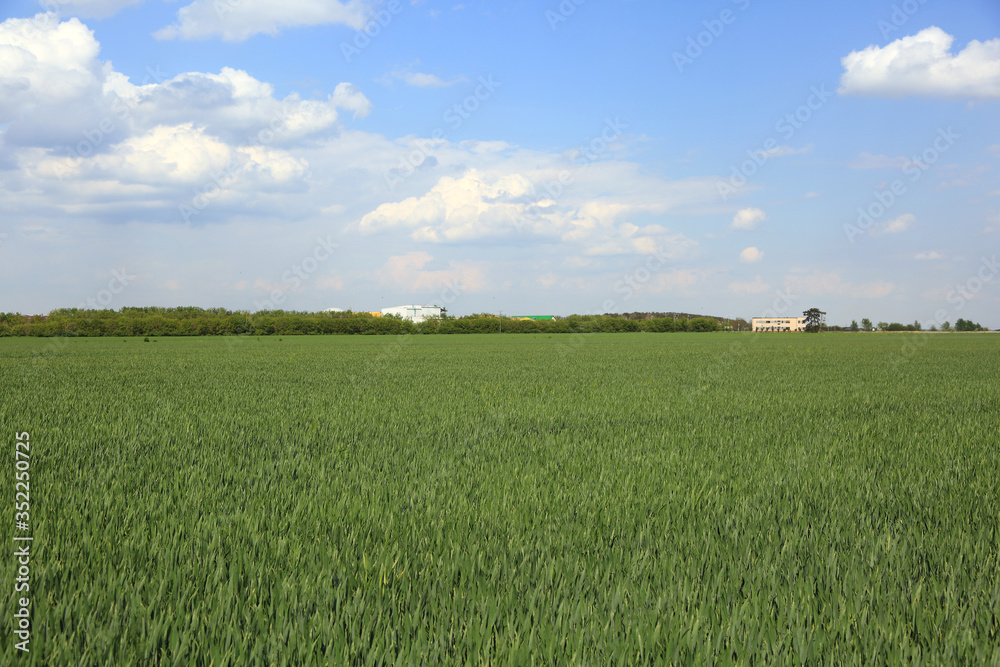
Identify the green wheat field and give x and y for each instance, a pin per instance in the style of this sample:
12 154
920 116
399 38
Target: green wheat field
530 500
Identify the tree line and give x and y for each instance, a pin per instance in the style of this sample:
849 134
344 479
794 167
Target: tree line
192 321
867 325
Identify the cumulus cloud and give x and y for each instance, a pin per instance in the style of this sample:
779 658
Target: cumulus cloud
896 225
748 219
142 154
168 162
924 65
47 66
237 20
933 254
234 105
147 145
751 255
348 96
471 206
480 205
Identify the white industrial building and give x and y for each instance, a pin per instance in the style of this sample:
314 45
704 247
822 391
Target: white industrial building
779 324
416 313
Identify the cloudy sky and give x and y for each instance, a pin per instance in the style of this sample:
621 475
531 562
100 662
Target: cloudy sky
723 157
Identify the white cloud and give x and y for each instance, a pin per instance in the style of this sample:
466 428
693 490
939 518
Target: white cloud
933 254
651 240
784 151
171 156
755 286
45 64
504 202
407 272
469 207
128 149
994 221
182 139
348 96
923 64
751 255
420 79
236 106
748 219
237 20
177 153
869 161
97 9
895 226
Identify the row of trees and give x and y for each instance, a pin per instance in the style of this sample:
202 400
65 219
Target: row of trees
960 325
72 322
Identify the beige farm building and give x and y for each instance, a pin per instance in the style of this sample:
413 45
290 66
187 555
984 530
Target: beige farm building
778 324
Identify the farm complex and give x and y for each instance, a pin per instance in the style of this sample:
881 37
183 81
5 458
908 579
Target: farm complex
778 324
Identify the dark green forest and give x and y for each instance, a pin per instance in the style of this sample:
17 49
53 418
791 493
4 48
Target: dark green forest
191 321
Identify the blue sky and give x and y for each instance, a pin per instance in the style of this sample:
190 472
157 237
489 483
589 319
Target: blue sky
729 157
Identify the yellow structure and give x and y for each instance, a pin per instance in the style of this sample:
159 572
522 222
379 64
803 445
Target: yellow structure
778 324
